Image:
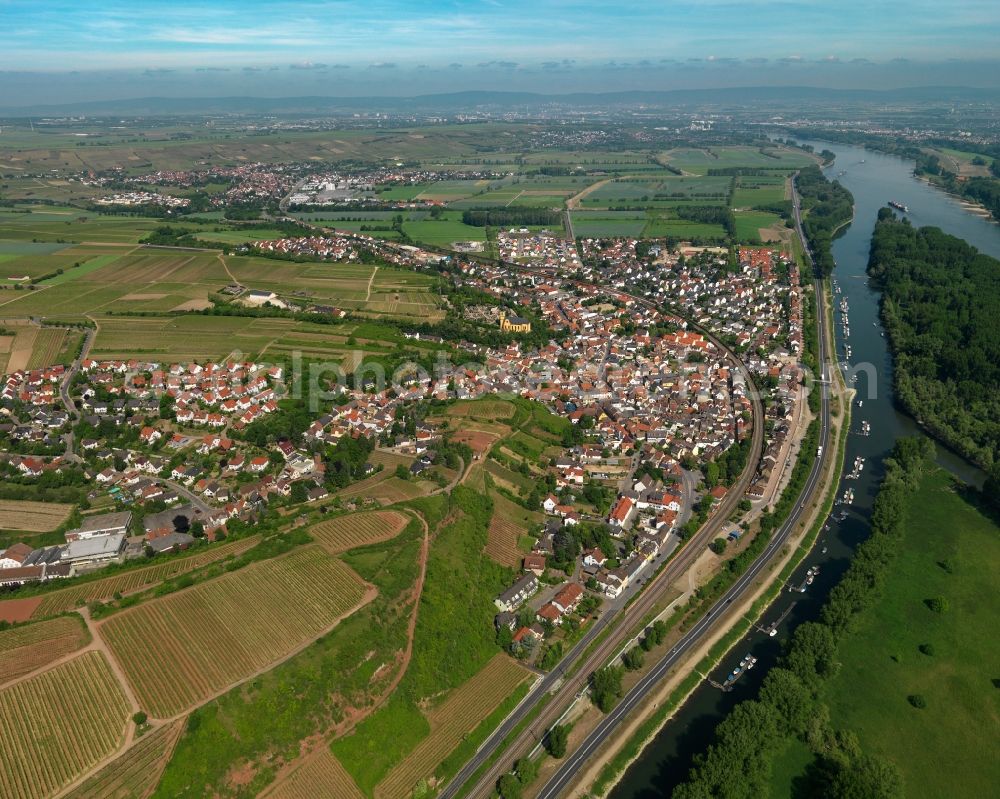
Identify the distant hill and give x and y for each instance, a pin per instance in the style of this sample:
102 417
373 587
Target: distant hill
775 96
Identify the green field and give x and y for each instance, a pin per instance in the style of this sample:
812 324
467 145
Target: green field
442 233
754 191
662 227
79 226
596 224
950 550
699 161
240 236
660 192
92 265
749 223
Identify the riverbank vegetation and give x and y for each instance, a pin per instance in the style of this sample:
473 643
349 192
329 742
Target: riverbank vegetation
910 667
791 704
826 207
940 305
979 188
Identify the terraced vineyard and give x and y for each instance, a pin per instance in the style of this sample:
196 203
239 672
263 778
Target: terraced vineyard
501 545
135 774
320 774
357 529
488 410
180 650
135 579
24 649
450 722
55 726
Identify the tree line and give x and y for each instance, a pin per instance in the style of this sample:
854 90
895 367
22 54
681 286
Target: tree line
829 206
940 304
511 217
738 763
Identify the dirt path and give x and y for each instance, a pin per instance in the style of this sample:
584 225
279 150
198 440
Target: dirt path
318 742
97 644
574 202
226 267
371 280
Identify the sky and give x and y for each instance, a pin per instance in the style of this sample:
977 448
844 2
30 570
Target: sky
75 50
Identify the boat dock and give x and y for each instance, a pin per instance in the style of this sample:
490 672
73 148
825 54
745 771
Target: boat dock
772 629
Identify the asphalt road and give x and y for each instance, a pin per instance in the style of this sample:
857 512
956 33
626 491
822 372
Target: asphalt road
644 595
564 777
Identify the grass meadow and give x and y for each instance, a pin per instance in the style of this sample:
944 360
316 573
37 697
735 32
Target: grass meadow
951 550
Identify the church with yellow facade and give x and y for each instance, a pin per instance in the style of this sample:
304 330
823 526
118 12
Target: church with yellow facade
514 324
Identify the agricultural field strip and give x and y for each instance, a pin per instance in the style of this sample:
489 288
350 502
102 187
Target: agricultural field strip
25 649
502 540
389 461
320 775
56 725
355 530
136 772
68 598
483 409
34 517
451 721
184 648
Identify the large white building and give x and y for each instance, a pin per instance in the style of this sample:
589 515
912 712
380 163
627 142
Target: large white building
94 550
104 524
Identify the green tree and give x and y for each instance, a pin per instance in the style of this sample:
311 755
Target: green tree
866 777
938 604
557 740
606 687
509 787
634 658
299 492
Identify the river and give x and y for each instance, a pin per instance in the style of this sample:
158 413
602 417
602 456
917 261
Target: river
874 179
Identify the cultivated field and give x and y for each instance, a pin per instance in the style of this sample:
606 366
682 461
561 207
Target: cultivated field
58 724
137 280
659 192
134 579
756 225
510 522
698 161
451 721
319 775
394 490
488 410
502 543
198 337
29 346
511 480
34 517
24 649
388 461
135 774
358 529
182 649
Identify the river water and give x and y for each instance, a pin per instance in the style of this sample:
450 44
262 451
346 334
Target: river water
874 179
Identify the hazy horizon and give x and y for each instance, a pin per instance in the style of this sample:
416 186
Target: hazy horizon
60 52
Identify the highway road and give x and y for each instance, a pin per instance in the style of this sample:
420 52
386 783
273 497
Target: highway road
624 618
564 777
